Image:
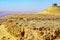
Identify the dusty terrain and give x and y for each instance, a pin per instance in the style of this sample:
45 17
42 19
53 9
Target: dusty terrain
30 27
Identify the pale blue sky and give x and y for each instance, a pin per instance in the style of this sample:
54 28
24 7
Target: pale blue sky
26 5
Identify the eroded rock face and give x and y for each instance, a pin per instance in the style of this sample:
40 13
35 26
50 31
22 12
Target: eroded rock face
33 28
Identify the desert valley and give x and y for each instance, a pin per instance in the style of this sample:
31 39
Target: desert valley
43 25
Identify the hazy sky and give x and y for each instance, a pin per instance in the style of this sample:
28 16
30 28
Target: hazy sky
26 5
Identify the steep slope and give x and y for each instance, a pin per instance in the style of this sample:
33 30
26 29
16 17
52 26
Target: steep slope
4 35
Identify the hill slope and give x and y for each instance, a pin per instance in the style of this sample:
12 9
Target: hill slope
51 10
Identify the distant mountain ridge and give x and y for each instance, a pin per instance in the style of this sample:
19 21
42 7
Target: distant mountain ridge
4 13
